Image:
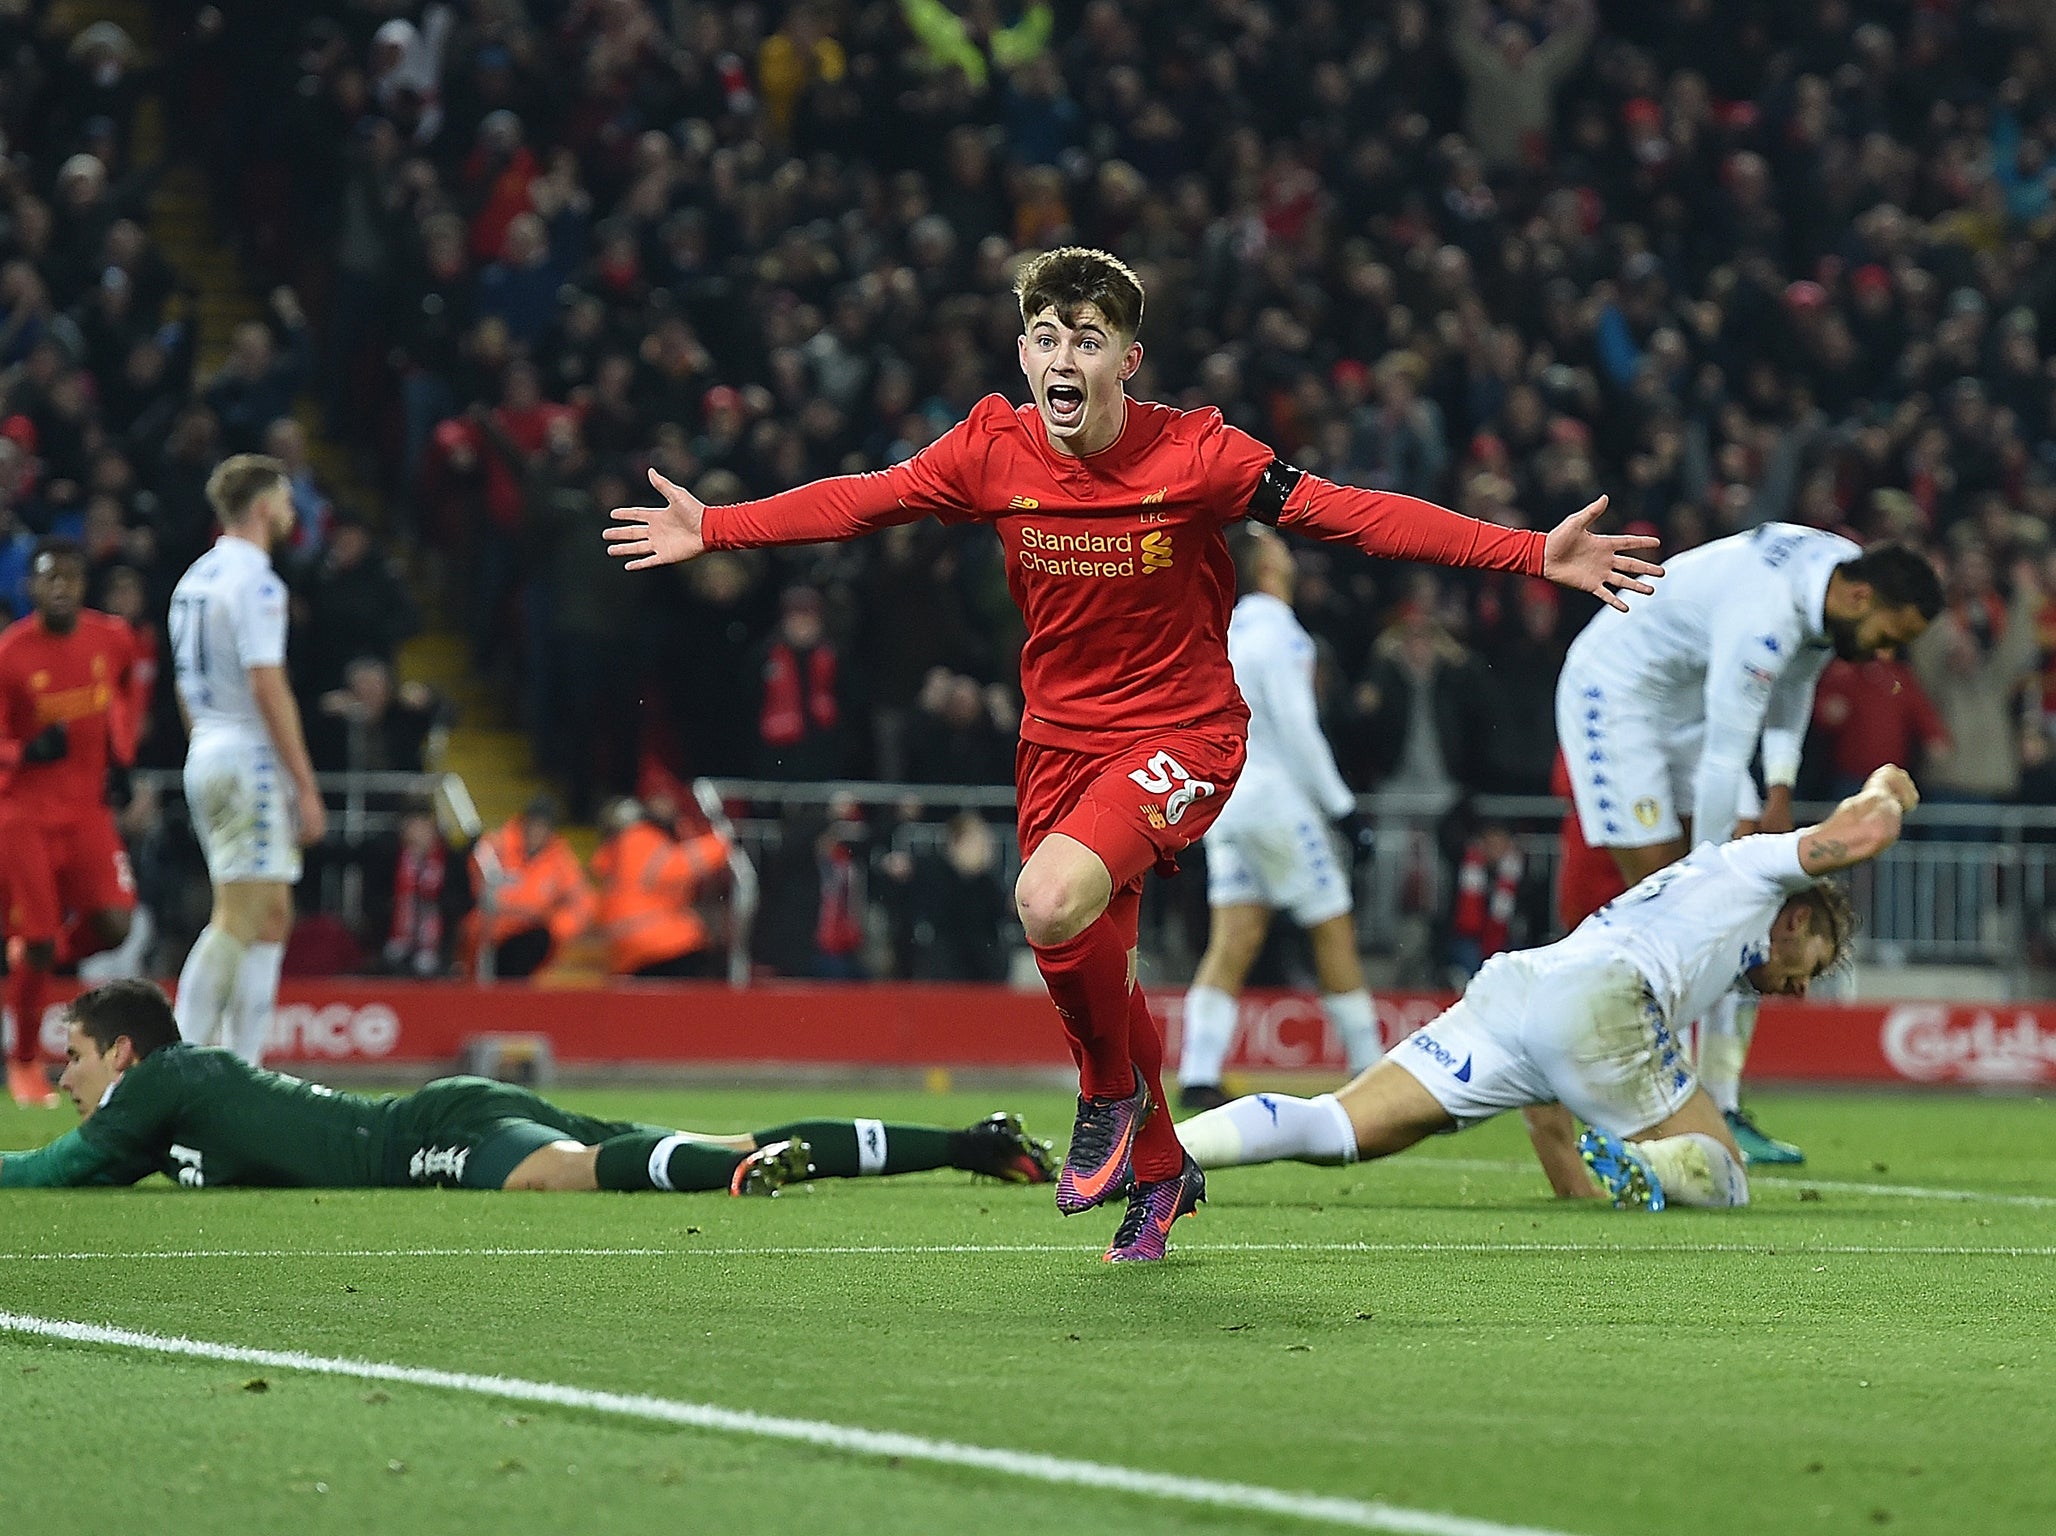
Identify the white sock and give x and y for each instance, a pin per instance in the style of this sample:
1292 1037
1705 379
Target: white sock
206 982
1269 1128
1353 1016
129 959
1209 1031
1724 1035
1694 1169
256 996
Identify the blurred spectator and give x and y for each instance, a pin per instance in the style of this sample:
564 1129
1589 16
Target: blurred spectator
414 942
960 906
650 878
368 724
1513 77
800 707
286 441
1972 661
1488 889
1867 714
353 603
961 733
256 386
533 897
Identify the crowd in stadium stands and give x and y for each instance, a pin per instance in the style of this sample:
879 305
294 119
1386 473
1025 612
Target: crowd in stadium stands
1727 260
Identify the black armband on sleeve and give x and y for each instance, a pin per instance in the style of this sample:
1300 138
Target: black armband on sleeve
1267 501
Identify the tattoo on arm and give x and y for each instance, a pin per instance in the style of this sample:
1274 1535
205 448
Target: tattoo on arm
1825 853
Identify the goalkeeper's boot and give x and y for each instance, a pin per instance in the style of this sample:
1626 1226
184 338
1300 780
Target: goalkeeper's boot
1153 1204
1623 1173
1096 1165
770 1168
1757 1148
999 1147
28 1086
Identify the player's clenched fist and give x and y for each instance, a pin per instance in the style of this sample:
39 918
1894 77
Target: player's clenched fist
1896 782
666 535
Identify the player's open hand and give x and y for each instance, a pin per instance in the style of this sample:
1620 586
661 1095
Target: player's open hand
1599 563
666 535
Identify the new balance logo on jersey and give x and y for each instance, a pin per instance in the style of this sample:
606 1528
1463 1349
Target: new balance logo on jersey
1024 503
438 1163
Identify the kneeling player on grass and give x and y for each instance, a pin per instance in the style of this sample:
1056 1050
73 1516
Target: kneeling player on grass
149 1103
1590 1023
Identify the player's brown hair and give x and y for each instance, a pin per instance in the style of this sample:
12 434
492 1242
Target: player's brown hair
239 480
132 1007
1073 276
1833 917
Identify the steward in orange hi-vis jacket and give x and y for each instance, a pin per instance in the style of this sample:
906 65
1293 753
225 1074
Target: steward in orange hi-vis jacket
533 896
649 878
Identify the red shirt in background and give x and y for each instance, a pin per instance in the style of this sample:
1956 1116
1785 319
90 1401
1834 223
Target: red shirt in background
1873 713
83 681
1117 560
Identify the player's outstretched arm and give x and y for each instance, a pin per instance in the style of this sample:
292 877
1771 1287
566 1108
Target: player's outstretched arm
666 535
1863 826
1600 563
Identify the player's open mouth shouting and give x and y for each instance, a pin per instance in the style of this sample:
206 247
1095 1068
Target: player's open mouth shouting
1076 365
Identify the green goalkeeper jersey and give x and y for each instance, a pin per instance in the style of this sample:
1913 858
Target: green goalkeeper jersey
201 1115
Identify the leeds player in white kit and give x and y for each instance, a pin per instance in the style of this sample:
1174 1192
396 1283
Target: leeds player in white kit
1271 848
1591 1023
249 783
1660 713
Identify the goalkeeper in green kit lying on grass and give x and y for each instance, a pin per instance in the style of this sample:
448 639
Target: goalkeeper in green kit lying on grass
149 1103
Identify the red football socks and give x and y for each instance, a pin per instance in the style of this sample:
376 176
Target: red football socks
1088 981
1158 1153
25 996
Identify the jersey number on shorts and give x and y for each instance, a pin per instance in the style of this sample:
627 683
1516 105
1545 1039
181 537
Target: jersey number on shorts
1163 774
189 640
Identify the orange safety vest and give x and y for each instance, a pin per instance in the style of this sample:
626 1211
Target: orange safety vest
648 880
548 890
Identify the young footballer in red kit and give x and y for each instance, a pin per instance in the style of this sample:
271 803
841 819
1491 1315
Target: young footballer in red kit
1110 511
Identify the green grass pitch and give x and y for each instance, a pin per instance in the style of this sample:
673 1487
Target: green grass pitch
1833 1359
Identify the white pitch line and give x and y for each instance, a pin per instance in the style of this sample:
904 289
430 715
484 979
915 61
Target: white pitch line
1783 1181
1357 1514
924 1250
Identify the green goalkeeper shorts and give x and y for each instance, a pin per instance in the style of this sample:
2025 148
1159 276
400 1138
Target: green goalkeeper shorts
471 1133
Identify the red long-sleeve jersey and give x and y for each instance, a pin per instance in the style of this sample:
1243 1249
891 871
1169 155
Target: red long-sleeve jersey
1117 559
81 681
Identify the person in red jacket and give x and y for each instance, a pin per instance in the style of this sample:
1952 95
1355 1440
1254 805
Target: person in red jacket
66 697
1110 512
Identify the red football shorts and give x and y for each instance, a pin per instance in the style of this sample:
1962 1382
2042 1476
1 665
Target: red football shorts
1136 804
1587 878
52 869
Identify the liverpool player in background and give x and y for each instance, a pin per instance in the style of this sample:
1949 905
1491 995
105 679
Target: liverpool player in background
1110 512
67 708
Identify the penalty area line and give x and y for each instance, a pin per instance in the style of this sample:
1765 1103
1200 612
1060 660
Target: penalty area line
927 1250
1355 1514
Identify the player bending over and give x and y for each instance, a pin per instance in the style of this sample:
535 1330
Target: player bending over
1662 711
1591 1022
149 1103
1110 512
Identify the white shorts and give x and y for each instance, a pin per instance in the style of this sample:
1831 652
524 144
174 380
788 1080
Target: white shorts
242 808
1531 1029
1630 767
1281 857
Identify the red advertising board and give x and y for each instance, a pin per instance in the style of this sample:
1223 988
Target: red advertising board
423 1026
